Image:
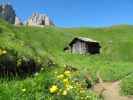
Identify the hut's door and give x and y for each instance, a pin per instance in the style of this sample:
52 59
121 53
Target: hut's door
92 48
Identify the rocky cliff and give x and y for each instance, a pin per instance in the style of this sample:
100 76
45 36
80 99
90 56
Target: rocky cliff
18 22
8 13
38 19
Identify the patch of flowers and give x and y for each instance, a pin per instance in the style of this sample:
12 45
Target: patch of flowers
67 85
53 89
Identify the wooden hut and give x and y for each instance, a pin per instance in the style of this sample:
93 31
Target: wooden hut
83 45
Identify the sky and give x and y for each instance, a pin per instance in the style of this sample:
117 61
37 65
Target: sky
78 13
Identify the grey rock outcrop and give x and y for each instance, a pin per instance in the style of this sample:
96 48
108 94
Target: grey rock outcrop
7 12
18 22
38 19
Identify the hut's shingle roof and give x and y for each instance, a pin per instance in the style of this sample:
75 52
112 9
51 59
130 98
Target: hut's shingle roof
82 39
86 39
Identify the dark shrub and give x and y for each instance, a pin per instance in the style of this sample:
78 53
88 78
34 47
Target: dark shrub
9 66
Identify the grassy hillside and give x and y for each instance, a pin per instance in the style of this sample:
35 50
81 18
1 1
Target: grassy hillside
114 63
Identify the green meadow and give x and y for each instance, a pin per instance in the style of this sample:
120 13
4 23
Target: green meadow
115 61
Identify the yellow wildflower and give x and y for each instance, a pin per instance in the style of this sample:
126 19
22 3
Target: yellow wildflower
4 52
64 92
69 87
19 62
82 91
66 82
38 60
60 76
67 73
42 69
53 89
82 98
87 96
55 72
36 74
23 90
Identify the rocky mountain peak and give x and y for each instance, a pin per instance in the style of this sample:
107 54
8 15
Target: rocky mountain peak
18 21
38 19
8 13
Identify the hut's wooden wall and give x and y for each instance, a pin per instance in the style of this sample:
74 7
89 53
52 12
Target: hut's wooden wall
79 47
82 47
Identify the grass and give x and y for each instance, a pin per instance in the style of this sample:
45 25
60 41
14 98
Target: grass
114 62
127 85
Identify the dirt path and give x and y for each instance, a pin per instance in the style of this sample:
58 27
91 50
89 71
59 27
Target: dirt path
110 90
